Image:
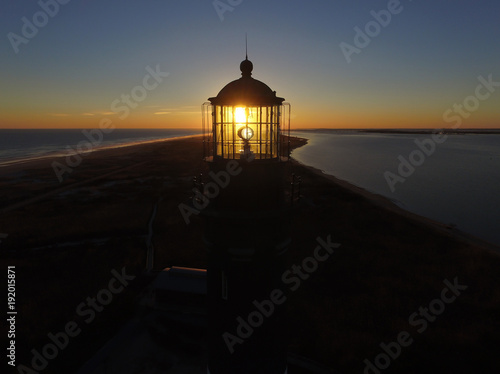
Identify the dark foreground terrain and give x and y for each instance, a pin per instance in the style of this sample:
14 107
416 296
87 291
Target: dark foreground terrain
400 292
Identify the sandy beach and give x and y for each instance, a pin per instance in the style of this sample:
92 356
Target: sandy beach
65 237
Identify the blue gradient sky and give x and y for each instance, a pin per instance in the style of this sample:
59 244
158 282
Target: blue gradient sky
427 59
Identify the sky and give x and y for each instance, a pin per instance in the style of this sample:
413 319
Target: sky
341 64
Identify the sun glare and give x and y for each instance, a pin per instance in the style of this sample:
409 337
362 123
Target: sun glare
240 115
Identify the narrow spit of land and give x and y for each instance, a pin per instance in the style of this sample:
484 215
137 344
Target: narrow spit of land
65 238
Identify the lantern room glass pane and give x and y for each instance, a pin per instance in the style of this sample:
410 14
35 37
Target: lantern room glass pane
239 131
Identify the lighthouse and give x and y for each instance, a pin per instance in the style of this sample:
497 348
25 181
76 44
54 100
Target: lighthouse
247 226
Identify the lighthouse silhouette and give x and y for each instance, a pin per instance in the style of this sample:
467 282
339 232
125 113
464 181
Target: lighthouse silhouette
247 226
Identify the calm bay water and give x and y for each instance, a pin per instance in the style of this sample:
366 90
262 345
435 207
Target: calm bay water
457 184
18 145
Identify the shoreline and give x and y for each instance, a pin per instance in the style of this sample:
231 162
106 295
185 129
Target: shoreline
34 163
59 154
385 203
451 188
123 150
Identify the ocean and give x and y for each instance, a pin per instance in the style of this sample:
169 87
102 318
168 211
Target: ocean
20 145
455 183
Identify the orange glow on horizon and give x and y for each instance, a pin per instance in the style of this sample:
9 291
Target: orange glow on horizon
302 118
